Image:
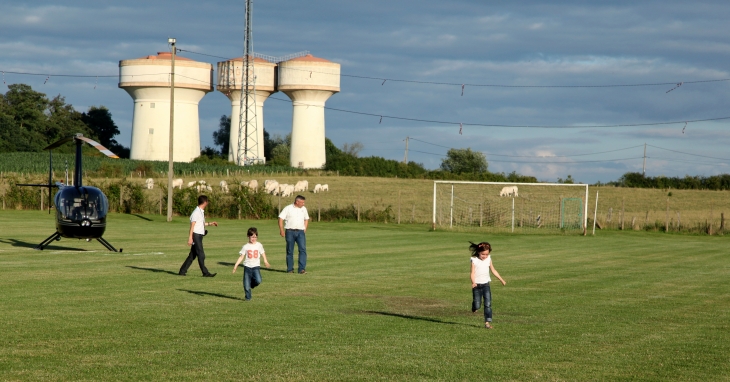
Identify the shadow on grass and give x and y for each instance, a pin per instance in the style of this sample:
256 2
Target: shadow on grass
25 244
156 270
418 318
142 217
201 293
225 264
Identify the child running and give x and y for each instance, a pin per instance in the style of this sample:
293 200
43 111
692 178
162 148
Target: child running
251 262
481 264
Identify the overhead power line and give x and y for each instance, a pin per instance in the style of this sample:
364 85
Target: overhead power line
384 80
682 152
454 123
534 156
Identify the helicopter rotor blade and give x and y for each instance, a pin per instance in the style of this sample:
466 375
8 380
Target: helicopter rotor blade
91 142
59 143
98 146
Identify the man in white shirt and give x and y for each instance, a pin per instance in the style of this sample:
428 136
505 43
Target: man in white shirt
195 238
297 220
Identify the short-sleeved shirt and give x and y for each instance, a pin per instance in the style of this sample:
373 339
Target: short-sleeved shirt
294 217
253 253
198 216
481 271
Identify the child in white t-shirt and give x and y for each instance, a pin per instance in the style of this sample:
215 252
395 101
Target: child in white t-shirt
481 264
251 254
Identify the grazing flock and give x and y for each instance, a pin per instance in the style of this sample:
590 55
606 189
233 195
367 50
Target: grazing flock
270 186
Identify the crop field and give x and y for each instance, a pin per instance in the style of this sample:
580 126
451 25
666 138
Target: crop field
411 200
379 302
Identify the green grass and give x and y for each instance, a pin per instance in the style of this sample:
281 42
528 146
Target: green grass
380 302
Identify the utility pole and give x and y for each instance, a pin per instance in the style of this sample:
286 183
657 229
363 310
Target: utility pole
643 170
171 41
405 158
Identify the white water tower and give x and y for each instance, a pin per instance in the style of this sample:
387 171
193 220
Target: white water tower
147 80
309 81
230 76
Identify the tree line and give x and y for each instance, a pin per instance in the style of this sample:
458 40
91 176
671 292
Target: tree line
30 121
688 182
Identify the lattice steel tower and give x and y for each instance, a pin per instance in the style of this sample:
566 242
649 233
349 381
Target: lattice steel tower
248 144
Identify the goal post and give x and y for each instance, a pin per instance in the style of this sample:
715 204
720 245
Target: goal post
510 207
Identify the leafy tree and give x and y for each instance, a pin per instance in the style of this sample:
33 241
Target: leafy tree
464 161
29 121
352 148
99 121
568 180
222 137
280 150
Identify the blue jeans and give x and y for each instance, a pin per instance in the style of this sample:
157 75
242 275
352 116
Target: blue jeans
251 279
482 291
296 236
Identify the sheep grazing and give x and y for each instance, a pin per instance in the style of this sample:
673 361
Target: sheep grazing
191 184
177 183
301 186
253 185
150 183
244 183
317 188
325 187
281 187
287 191
272 187
224 186
509 191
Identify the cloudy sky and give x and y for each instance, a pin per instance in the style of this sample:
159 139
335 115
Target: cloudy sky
549 55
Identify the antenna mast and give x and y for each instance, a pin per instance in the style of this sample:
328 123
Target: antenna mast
248 145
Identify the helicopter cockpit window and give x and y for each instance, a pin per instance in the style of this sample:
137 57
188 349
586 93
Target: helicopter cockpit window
82 204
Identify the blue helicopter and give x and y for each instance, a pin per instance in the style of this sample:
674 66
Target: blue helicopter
81 211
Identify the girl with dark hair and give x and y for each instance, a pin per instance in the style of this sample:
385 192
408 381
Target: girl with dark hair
251 255
481 264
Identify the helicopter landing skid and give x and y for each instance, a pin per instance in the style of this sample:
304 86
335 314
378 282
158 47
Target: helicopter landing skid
107 245
44 243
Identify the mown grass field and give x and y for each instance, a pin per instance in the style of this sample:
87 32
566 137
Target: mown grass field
379 302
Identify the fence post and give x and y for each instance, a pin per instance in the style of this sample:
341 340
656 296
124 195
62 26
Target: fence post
722 221
41 199
159 192
121 197
358 204
413 213
398 206
666 222
633 223
622 213
319 212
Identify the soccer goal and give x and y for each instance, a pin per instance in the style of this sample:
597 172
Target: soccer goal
510 207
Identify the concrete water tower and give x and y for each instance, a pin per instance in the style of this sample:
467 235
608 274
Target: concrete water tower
230 76
309 81
147 80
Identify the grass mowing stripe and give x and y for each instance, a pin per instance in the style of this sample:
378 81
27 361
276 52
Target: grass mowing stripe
379 302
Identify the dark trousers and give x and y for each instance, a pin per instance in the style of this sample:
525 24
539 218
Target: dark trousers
196 250
296 236
251 279
482 291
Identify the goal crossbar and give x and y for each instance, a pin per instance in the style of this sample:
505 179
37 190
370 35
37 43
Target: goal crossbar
585 201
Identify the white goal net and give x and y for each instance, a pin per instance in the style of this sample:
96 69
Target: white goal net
510 207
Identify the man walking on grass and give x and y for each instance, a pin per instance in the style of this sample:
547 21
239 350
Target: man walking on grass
297 220
195 238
